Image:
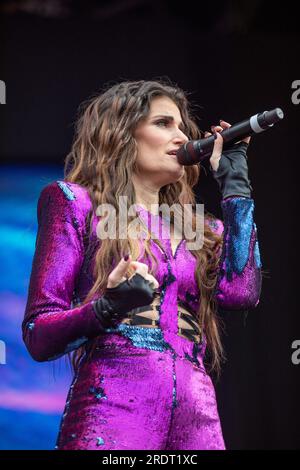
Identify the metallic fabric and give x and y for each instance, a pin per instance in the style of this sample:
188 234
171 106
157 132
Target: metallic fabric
142 387
239 281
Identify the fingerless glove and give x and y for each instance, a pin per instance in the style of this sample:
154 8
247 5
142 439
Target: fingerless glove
119 300
232 173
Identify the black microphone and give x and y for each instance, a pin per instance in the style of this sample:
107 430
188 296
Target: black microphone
194 151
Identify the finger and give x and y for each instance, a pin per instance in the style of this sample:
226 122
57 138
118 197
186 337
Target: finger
153 281
140 268
207 134
115 281
218 145
119 271
216 128
224 124
217 152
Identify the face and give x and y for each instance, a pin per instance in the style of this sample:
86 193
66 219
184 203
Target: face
160 133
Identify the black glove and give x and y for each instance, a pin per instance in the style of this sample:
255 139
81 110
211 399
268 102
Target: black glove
119 300
232 173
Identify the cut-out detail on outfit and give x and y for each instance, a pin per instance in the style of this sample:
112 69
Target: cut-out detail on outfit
148 317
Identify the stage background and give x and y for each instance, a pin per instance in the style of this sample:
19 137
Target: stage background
236 59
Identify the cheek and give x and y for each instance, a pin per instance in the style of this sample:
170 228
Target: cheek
151 145
147 160
153 139
150 151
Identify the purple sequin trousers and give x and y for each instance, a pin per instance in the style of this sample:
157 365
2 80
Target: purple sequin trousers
142 388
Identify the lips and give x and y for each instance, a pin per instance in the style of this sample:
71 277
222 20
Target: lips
172 152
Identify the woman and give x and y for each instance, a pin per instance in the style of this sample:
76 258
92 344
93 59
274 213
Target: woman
138 312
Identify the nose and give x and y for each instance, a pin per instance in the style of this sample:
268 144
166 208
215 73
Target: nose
180 138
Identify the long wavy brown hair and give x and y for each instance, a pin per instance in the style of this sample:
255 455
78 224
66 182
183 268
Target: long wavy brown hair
103 158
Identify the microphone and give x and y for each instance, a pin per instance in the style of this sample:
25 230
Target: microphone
194 151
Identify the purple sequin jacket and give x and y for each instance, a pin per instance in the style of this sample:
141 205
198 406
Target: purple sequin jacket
62 270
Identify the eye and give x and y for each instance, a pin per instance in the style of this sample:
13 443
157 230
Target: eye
164 121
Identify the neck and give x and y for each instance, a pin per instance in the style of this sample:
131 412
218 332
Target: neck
146 194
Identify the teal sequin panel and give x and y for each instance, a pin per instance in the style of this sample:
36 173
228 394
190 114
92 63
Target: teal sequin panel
149 338
238 212
66 190
257 252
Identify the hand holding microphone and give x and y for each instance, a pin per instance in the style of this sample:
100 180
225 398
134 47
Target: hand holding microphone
228 161
229 167
195 151
218 144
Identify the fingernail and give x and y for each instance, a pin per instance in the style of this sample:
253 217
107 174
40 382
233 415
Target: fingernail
221 120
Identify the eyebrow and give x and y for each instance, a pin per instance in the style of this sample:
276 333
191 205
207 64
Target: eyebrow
169 118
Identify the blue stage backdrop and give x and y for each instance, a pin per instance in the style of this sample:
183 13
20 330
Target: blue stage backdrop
32 394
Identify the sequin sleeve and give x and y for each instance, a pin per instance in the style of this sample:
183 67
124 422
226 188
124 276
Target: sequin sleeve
51 327
239 276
